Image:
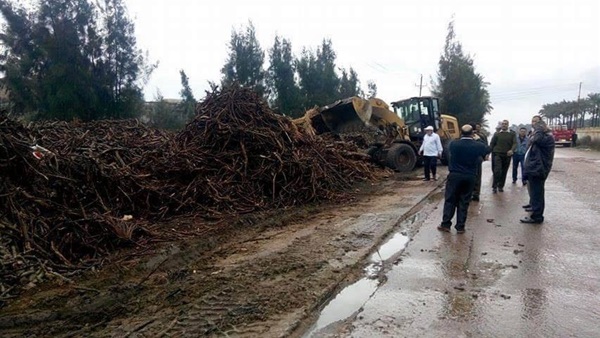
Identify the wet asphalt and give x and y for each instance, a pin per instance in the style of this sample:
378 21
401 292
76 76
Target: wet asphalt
501 278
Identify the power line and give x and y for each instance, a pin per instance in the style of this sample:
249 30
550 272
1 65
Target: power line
532 91
529 92
523 96
536 88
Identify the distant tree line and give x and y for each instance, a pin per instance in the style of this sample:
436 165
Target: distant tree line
71 59
78 59
575 114
291 84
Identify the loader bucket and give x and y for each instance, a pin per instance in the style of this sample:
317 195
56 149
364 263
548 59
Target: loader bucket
347 114
382 115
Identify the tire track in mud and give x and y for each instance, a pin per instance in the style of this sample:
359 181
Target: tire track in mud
254 296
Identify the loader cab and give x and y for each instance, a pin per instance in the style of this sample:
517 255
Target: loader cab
418 113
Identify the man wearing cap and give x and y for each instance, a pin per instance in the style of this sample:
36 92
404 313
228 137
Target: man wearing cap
431 149
465 156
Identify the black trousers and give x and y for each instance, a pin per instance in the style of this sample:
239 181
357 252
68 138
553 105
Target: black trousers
459 190
430 165
500 169
536 197
477 187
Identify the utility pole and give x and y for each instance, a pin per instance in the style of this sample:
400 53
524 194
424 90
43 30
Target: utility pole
420 85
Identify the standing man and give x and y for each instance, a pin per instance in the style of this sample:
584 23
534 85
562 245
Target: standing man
465 156
538 163
478 135
431 149
519 156
503 146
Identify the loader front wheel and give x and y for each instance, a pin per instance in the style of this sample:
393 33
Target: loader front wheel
401 157
372 151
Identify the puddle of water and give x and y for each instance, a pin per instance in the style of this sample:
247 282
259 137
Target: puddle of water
346 303
393 246
389 249
353 297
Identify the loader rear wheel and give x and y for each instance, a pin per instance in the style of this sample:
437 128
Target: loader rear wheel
401 157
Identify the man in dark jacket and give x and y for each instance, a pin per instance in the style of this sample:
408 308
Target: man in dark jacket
538 163
503 146
464 158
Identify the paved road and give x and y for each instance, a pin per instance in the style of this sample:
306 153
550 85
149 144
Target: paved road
502 278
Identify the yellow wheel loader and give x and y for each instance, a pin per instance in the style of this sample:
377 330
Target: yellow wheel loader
420 112
393 137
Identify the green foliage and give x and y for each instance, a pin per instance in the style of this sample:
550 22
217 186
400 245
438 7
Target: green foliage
69 59
124 63
281 83
372 89
582 113
349 84
245 61
290 84
463 91
588 142
188 101
318 80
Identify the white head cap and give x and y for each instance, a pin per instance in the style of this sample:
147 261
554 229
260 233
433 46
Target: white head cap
429 128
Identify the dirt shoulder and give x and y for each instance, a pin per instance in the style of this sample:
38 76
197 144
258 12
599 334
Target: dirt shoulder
255 276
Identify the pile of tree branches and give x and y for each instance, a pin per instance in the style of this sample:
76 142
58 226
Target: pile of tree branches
71 193
64 191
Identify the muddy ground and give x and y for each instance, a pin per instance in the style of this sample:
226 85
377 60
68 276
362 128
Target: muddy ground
262 275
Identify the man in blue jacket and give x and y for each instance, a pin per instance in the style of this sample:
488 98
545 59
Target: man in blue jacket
519 156
464 158
538 163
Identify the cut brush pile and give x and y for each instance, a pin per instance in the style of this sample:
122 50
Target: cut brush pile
71 193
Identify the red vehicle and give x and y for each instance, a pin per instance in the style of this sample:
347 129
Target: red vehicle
563 135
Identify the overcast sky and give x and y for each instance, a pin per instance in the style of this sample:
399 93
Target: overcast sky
530 51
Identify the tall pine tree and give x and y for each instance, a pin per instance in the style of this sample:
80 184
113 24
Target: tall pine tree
319 82
463 91
188 102
125 63
349 84
244 64
285 93
372 89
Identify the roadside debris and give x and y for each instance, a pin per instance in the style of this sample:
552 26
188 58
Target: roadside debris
87 188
